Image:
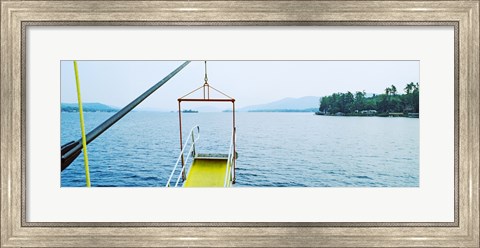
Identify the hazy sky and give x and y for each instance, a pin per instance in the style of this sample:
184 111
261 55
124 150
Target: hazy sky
116 83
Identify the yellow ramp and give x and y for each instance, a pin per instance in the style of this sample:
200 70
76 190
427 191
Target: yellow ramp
207 172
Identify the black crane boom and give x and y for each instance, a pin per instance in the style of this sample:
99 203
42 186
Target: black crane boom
72 149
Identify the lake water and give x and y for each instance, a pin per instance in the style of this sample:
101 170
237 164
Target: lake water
275 149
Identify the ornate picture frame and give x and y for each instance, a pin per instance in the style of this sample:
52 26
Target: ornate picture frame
16 16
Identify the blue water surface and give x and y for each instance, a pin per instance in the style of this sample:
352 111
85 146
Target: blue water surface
275 149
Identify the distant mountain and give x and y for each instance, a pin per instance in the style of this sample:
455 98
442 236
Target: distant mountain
87 107
302 104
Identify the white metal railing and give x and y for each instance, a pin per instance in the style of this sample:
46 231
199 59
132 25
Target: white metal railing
192 139
231 161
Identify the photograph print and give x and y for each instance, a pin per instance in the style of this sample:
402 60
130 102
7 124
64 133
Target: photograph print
240 123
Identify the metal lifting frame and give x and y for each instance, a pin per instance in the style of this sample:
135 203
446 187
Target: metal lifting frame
206 98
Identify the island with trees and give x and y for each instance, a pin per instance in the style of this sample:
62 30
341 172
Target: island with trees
87 107
389 103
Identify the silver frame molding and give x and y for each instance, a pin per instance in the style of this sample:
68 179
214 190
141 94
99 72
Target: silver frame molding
17 16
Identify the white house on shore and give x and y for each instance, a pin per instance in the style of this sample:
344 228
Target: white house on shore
369 112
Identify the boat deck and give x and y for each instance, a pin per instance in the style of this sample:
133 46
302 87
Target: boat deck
207 171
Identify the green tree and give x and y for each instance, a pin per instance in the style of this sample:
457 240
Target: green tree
371 103
382 104
393 90
409 88
416 98
325 103
349 103
360 101
335 106
411 99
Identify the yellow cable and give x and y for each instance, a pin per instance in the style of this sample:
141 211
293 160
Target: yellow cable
82 126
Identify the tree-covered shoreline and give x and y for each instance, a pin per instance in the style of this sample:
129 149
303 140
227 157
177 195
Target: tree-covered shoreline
87 107
389 103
